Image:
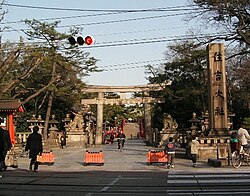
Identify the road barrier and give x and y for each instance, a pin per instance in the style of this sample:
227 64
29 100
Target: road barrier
93 158
47 158
154 156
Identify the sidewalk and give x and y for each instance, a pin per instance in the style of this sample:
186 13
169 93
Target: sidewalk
132 158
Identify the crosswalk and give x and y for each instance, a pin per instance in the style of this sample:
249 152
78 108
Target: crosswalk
208 184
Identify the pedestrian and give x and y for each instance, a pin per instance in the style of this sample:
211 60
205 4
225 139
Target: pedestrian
121 140
62 141
5 146
112 137
170 149
194 148
35 147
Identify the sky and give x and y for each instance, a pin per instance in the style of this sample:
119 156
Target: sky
124 64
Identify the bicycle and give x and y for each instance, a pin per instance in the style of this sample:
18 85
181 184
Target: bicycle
239 157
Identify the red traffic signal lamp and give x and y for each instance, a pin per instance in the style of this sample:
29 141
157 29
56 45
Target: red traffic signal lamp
80 41
89 40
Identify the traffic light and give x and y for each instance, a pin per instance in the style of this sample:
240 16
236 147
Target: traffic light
89 40
80 41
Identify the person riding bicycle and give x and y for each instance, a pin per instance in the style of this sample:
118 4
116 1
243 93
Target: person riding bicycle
243 136
121 140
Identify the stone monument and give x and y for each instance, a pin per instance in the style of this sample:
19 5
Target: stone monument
169 128
216 144
77 135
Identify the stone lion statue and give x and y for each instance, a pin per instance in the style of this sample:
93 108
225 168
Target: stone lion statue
78 122
169 124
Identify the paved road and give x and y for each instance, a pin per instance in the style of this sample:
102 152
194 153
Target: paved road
124 173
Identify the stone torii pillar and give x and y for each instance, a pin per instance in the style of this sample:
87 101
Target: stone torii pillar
98 137
147 120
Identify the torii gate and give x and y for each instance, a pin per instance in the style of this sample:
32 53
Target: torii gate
100 101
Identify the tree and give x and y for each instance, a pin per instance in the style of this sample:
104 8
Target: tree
2 14
186 68
238 88
74 63
230 15
43 71
114 114
234 17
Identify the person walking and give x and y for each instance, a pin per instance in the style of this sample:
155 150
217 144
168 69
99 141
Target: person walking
170 149
62 141
35 147
112 137
5 146
194 146
121 140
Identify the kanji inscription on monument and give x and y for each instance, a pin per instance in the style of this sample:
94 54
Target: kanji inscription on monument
217 87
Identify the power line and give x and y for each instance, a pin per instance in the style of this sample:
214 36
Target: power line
124 68
124 32
101 14
129 20
110 22
137 41
139 31
131 63
131 67
174 8
154 40
62 18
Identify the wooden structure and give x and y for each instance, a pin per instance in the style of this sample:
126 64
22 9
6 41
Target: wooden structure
8 109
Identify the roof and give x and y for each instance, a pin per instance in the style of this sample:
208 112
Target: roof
11 105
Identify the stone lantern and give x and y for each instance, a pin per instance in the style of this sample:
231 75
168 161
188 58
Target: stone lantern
40 124
66 122
53 129
194 124
33 121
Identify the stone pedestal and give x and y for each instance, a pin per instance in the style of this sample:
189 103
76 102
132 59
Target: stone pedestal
77 139
214 148
165 136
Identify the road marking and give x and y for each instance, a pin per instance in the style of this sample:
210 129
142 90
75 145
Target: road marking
89 194
111 183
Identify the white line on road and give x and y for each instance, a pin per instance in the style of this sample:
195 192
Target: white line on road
111 183
89 194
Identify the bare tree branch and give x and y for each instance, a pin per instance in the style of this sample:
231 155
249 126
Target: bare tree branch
21 77
40 90
6 65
